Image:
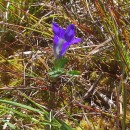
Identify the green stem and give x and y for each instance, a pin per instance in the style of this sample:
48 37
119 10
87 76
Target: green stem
124 107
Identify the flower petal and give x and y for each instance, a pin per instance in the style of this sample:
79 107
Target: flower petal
56 29
64 48
75 41
69 33
58 43
55 40
62 33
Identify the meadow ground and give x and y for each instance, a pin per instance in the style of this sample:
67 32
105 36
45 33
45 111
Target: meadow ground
46 84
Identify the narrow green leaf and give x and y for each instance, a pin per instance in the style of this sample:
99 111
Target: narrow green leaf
56 73
74 72
60 63
12 126
21 105
64 126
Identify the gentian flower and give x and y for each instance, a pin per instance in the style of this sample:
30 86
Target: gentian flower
63 38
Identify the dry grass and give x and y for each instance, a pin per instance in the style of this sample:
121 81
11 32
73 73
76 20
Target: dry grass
95 96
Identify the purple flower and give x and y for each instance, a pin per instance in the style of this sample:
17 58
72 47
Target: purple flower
63 38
